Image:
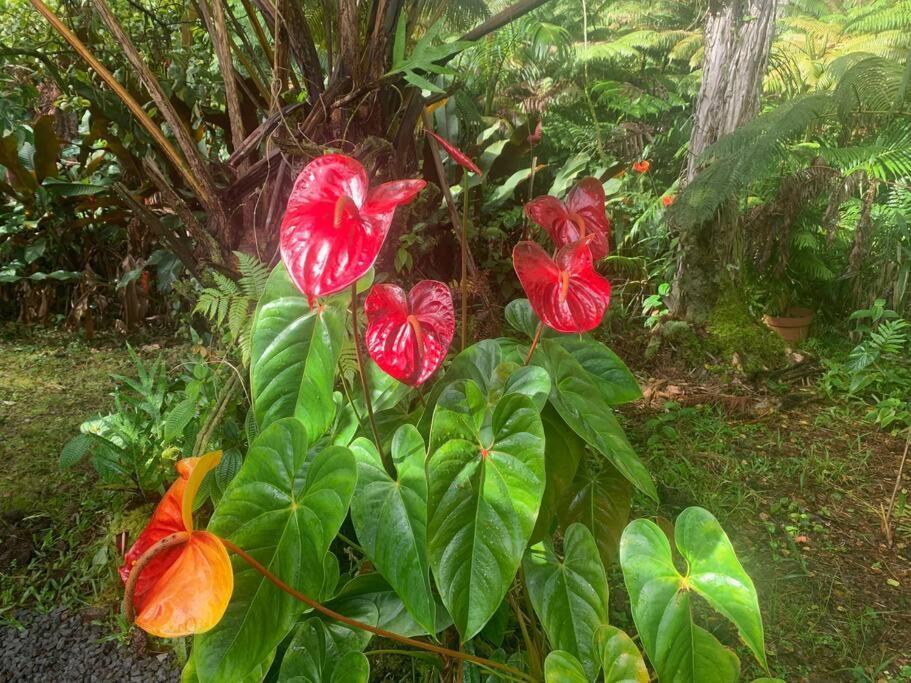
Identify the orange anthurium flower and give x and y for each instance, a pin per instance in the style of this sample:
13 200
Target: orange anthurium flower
184 589
642 166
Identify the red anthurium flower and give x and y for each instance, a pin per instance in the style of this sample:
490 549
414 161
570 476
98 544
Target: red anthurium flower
582 216
667 200
535 138
642 166
408 335
565 291
456 154
335 223
185 589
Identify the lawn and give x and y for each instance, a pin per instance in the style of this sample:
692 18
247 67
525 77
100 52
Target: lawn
798 490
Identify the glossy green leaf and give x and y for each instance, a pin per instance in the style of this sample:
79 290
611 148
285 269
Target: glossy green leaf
562 667
369 598
570 595
620 658
485 480
385 391
189 675
390 519
295 351
717 575
521 317
714 663
582 406
314 657
609 374
479 363
563 451
284 507
599 499
660 597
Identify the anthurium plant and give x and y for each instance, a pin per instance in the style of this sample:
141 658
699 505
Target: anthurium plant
463 507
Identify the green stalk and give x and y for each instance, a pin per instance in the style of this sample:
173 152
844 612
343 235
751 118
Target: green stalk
463 284
387 462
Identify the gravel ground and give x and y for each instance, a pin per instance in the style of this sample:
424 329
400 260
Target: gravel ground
61 646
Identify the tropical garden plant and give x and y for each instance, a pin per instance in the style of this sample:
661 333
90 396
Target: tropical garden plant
501 492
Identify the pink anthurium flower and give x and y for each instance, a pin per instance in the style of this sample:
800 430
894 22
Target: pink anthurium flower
408 335
335 223
566 292
456 154
581 216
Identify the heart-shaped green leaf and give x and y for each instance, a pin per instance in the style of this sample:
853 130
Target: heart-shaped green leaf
570 595
368 598
660 596
610 374
479 363
485 479
520 317
284 507
580 403
390 519
620 657
295 351
562 667
563 451
314 657
600 499
717 575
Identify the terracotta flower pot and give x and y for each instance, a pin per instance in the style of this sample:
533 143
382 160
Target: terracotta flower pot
793 327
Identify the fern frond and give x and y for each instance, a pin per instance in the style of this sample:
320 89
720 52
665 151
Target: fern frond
253 274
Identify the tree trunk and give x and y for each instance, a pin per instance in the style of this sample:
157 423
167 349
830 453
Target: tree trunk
738 36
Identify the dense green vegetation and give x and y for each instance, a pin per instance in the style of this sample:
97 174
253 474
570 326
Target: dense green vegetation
147 154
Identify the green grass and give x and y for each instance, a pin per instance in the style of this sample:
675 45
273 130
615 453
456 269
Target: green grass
49 383
797 493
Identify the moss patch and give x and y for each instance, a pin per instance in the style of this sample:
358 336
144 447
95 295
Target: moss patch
741 339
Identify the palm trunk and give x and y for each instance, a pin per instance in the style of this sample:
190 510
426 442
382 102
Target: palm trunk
738 37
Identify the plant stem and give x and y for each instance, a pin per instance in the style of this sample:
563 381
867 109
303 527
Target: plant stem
534 343
463 283
387 463
887 518
444 186
534 662
430 647
531 191
168 542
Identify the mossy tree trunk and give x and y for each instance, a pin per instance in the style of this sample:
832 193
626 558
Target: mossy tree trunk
738 37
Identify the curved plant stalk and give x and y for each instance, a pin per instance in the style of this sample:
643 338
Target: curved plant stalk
390 635
168 542
534 343
144 119
387 463
183 536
